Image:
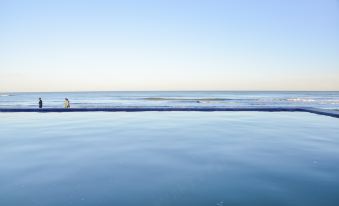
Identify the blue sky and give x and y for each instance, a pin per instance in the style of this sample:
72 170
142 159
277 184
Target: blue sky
169 45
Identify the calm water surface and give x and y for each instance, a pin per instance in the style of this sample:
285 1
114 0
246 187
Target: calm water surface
169 158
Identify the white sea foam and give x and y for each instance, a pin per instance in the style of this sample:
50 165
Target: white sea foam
301 100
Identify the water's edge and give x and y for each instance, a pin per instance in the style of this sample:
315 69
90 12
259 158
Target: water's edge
326 112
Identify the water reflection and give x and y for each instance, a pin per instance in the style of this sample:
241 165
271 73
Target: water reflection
169 158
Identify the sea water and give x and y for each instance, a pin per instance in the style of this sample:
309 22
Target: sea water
324 100
169 158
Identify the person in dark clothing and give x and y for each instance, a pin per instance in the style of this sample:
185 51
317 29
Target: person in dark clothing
40 103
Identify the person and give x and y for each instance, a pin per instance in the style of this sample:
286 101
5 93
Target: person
67 104
40 103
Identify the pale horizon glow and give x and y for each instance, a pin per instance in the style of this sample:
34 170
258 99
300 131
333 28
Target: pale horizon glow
169 45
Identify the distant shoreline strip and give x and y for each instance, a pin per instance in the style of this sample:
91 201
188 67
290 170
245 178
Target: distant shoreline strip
326 112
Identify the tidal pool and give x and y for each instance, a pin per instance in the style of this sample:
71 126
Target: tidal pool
169 158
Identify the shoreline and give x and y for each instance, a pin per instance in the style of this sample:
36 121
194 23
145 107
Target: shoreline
325 112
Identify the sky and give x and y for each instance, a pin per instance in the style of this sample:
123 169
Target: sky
101 45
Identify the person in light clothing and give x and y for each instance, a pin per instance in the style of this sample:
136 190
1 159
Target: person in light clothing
66 103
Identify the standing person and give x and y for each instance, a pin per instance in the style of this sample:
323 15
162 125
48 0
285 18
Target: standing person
66 103
40 103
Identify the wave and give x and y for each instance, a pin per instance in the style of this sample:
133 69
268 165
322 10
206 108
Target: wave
191 99
301 100
6 95
331 101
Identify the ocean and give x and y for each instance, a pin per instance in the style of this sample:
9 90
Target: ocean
232 99
171 157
